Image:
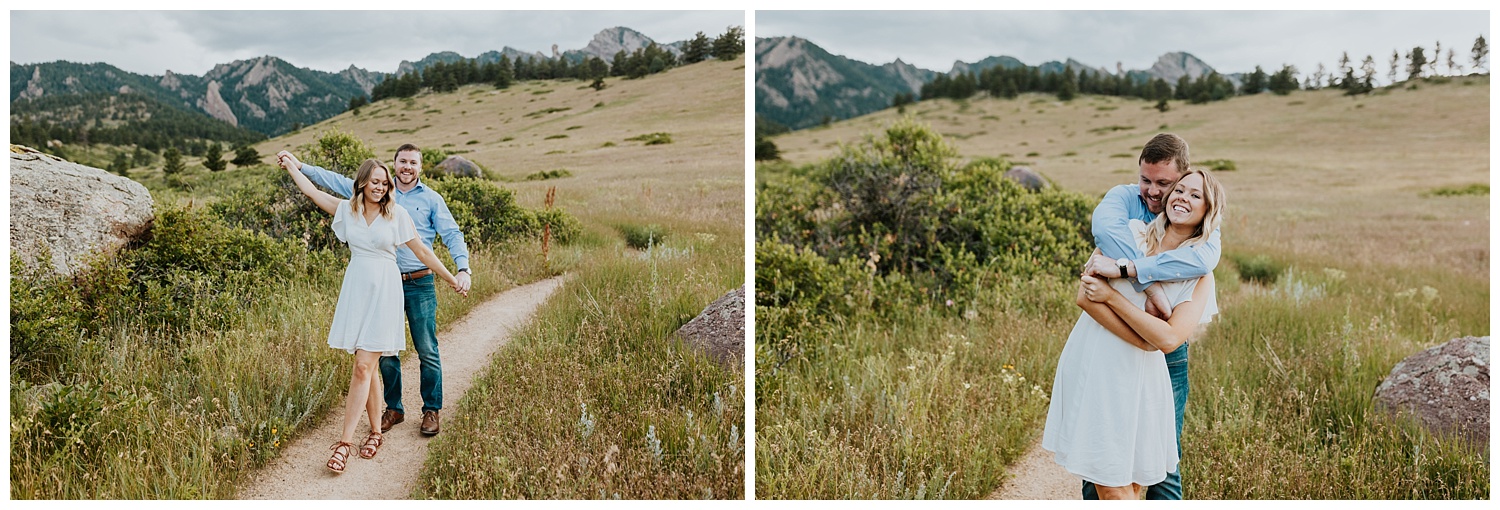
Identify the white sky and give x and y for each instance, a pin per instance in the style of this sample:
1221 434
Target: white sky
192 42
1230 41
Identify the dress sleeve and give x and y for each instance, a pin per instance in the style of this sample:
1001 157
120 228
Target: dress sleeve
341 220
405 229
1212 308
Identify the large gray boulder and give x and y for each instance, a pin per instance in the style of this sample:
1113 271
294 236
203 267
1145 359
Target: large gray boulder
1446 387
69 212
457 165
1027 178
720 330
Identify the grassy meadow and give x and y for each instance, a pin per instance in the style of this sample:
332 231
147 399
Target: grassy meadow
151 383
1373 210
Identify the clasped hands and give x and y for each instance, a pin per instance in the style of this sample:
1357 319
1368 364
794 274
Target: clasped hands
1095 284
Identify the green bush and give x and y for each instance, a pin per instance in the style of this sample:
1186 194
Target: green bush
641 237
900 204
279 210
432 157
565 228
1456 191
652 138
549 174
338 151
1260 268
1217 165
489 213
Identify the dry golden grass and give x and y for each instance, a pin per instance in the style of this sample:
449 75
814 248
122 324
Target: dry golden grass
700 106
1334 188
1318 173
592 399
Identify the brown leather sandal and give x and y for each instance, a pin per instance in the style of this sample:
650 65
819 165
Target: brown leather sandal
340 456
371 446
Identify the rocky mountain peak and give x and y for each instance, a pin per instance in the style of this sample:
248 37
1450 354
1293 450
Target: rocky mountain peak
614 40
1174 65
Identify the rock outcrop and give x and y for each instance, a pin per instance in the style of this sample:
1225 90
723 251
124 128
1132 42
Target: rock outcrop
68 212
1446 388
458 166
1027 178
720 330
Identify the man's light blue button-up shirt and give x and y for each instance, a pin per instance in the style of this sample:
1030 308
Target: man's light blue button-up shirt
427 210
1112 235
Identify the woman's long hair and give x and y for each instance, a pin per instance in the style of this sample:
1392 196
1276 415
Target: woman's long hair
1213 199
362 178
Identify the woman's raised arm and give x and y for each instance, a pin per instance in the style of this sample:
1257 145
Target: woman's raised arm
328 203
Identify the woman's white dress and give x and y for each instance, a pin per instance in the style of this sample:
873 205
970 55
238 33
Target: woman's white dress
1111 420
371 302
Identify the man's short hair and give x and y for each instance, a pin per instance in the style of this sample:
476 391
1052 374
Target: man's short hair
407 147
1163 147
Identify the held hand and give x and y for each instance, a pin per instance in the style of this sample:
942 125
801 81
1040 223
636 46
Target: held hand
465 282
288 161
1157 305
1100 265
1097 290
453 283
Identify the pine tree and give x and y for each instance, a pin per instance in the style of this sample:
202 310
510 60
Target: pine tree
1415 62
213 158
1068 89
504 73
1453 66
1255 83
1480 54
1317 77
1367 81
1437 54
172 162
730 44
245 155
1395 66
696 49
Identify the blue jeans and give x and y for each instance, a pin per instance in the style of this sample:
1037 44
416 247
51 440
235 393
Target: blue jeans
1171 488
421 317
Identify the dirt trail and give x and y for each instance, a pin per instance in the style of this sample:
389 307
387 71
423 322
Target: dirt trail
299 473
1037 476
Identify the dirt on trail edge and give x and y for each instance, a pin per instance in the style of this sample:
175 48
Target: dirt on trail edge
300 471
1037 476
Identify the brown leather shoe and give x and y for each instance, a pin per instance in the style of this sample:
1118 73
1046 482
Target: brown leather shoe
390 418
429 423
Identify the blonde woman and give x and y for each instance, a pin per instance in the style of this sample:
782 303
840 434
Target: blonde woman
368 319
1111 417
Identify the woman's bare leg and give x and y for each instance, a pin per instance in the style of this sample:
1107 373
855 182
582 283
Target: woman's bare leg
359 391
373 403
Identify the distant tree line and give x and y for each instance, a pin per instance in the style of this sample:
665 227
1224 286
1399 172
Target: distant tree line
447 77
124 119
1009 83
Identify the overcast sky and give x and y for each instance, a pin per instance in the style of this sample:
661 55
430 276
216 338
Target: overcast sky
192 42
1229 41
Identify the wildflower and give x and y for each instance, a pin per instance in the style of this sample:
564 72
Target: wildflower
273 431
1429 293
950 303
966 386
1008 366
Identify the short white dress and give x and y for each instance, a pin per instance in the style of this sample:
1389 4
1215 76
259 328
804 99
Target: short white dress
370 312
1111 419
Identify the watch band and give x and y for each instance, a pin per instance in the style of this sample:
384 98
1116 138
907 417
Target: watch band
1123 273
465 270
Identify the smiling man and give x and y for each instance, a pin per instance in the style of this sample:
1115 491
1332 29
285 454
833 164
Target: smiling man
1162 161
430 213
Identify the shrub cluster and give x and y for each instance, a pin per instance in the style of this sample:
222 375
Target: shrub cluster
549 174
899 203
193 271
1259 268
894 224
641 237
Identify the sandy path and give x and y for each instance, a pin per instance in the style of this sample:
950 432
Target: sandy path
466 345
1037 476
